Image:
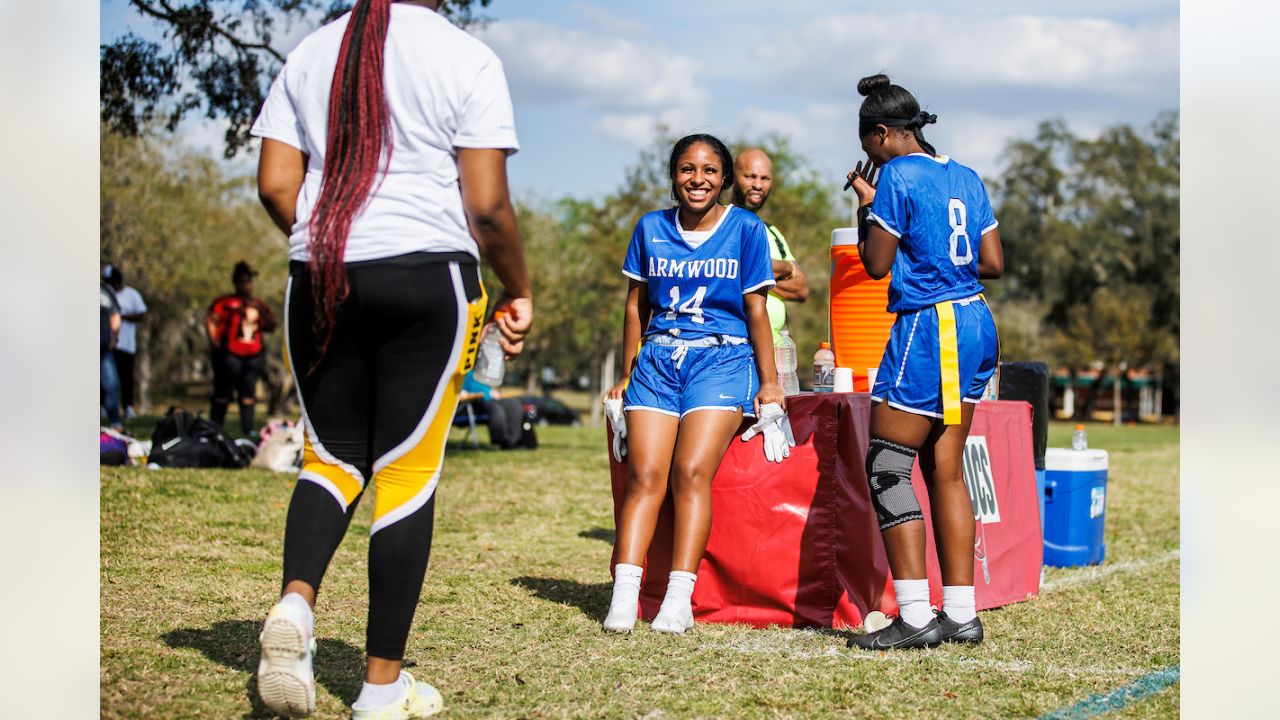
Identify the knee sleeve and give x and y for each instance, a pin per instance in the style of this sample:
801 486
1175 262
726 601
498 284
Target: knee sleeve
889 473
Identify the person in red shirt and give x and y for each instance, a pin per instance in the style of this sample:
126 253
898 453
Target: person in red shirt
235 325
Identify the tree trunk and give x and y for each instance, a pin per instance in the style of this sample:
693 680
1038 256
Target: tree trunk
1117 398
142 373
606 382
531 381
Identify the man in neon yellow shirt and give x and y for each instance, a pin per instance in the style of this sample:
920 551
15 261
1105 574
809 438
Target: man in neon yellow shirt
753 174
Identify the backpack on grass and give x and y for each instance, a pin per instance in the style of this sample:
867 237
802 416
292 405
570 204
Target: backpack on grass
183 441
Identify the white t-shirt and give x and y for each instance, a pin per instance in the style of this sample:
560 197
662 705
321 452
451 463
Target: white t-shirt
445 89
130 301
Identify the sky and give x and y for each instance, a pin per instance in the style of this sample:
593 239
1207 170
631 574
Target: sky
592 80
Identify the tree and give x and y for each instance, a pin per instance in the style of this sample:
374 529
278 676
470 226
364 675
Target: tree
1079 217
215 56
176 222
1091 236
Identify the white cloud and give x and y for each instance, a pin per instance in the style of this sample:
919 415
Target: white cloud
1092 55
549 64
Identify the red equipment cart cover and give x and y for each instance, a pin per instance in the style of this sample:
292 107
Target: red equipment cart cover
797 543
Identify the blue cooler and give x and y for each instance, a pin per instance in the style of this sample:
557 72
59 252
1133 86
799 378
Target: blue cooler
1075 504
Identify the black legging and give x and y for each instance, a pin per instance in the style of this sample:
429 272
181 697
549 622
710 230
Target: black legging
239 375
379 403
124 367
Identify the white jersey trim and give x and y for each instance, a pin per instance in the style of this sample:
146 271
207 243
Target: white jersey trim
884 224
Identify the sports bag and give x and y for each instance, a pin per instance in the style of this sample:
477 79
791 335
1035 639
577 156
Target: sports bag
183 441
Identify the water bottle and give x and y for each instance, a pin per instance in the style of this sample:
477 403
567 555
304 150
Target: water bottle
1079 441
491 365
784 354
824 368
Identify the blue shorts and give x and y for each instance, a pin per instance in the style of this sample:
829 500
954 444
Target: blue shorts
910 373
678 379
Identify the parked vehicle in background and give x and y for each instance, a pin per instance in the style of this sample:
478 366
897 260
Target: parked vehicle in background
546 410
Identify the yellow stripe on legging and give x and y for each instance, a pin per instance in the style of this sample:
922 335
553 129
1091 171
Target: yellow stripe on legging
336 475
949 363
405 478
400 482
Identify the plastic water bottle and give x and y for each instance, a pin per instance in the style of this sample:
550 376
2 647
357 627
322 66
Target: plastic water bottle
491 365
784 354
1079 441
824 368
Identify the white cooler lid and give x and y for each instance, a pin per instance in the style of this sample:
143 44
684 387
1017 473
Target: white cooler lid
1075 460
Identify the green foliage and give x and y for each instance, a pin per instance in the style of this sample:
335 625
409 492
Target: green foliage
176 222
1091 236
217 57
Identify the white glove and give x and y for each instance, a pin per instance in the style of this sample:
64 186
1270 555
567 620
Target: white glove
776 428
618 425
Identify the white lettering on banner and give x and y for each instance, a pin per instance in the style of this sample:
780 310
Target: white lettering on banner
979 480
726 268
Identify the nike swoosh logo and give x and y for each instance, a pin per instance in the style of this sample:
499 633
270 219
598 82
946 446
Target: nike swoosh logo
887 646
658 240
725 397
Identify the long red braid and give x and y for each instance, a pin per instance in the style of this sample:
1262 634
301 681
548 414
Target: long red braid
359 142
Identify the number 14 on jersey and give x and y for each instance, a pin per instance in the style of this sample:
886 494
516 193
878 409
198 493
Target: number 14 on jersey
691 307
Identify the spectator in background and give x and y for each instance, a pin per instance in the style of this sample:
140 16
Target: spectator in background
109 313
506 415
235 324
753 181
132 311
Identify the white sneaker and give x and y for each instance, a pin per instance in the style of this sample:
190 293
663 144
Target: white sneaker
621 617
286 683
129 413
673 620
420 700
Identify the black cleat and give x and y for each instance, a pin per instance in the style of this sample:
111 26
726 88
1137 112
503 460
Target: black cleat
899 636
954 632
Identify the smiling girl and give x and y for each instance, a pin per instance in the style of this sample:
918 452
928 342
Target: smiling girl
700 272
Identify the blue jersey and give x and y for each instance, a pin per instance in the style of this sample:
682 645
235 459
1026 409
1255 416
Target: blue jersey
695 292
939 211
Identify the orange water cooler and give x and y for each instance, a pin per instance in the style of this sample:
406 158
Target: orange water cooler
859 322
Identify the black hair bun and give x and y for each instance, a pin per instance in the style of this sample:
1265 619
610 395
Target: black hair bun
868 85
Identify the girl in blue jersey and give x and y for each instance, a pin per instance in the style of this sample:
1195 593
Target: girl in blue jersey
699 274
928 219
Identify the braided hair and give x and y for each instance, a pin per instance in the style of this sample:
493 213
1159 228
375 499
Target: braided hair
358 146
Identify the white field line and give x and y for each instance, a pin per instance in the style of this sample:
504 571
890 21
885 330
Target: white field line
801 645
1097 572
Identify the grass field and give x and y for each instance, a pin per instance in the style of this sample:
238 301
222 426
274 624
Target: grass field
509 621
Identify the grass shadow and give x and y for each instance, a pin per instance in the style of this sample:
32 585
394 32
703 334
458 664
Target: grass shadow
598 533
234 643
591 598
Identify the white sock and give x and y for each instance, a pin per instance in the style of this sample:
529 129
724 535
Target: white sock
913 602
376 696
958 602
679 589
626 582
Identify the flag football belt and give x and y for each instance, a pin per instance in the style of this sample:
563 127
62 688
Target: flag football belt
706 341
949 357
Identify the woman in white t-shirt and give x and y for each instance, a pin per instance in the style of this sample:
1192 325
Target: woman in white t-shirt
384 146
